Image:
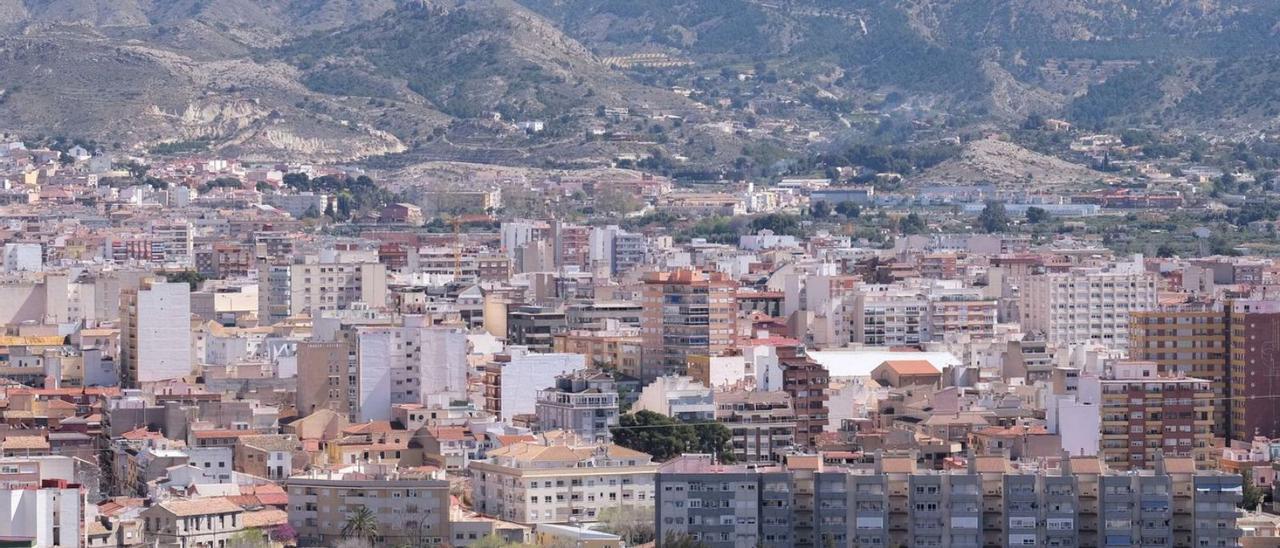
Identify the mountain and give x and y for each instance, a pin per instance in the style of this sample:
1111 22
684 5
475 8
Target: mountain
760 80
466 60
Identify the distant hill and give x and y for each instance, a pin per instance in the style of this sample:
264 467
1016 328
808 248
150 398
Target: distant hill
356 79
1005 164
466 60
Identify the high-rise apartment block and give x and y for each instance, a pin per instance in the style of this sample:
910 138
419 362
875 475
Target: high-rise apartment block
1087 304
686 313
312 288
155 332
1254 364
1146 415
414 363
1188 339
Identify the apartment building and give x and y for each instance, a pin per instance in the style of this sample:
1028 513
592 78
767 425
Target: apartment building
512 380
686 313
961 314
39 503
1189 339
584 403
615 251
884 316
1232 346
410 507
616 349
1145 415
762 424
414 362
324 378
987 501
806 382
679 397
1254 359
155 332
1087 304
560 481
313 288
177 240
535 327
213 521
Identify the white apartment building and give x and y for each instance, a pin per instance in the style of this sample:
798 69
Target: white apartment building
888 316
312 288
545 482
677 397
414 363
1087 304
39 502
512 381
155 332
23 257
177 240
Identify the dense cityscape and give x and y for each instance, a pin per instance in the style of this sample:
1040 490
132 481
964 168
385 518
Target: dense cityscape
651 273
207 352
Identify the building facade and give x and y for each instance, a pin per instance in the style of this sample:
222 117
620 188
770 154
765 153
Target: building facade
155 332
686 313
536 482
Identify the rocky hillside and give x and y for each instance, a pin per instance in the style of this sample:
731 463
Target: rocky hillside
349 79
1005 164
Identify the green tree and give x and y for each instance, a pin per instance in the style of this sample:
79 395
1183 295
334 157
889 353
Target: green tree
1037 215
1253 495
993 217
1165 251
848 209
264 187
716 439
191 277
633 524
665 438
913 223
820 209
779 223
652 433
361 525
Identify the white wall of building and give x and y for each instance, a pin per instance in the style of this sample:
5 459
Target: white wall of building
164 332
526 374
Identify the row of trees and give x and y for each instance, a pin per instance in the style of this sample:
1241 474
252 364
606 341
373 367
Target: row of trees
666 438
352 194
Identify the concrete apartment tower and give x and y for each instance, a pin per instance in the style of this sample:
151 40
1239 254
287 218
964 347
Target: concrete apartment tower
155 332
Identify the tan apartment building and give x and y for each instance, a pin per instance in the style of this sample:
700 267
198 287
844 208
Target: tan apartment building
560 481
1087 304
686 313
1187 339
619 350
311 288
324 379
409 508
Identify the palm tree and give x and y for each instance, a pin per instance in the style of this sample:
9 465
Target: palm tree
361 525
